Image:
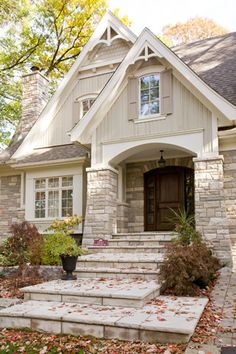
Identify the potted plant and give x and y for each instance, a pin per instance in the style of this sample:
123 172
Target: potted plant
64 246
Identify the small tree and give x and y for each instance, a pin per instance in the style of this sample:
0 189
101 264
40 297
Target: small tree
24 246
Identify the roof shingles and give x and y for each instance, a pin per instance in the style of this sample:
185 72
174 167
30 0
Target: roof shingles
214 61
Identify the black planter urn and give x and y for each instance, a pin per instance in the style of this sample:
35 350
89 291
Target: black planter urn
69 265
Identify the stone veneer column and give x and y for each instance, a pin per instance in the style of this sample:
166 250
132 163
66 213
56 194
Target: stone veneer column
101 209
210 212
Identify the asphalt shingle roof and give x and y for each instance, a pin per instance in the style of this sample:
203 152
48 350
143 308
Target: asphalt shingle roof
214 61
53 153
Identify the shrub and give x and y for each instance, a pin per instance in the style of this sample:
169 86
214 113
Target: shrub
24 246
187 268
58 244
185 227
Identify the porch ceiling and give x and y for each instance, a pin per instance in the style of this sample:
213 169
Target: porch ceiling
153 153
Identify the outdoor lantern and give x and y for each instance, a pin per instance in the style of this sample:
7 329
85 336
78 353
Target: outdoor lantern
161 161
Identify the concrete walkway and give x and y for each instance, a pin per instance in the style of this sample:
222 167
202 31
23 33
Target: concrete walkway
224 300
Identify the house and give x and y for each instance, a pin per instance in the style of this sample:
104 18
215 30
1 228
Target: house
135 128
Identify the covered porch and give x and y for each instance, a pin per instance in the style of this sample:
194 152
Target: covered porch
131 193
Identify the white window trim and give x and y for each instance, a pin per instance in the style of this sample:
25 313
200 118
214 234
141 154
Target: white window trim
150 116
76 172
59 189
82 98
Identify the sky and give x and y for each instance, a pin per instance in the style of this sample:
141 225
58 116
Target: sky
154 14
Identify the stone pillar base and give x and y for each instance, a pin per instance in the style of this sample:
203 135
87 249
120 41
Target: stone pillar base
101 209
210 212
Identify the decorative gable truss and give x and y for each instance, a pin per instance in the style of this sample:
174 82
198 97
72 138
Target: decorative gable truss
148 46
109 31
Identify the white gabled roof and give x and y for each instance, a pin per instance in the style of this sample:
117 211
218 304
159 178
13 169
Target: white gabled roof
83 130
45 118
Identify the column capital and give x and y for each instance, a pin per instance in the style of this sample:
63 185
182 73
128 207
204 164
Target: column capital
209 158
104 168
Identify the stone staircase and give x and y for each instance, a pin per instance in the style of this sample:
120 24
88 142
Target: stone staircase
112 297
126 255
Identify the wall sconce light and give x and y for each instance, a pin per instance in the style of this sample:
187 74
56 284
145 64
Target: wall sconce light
161 161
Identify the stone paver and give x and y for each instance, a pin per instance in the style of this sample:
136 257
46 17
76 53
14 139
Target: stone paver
8 302
171 316
122 257
224 300
118 292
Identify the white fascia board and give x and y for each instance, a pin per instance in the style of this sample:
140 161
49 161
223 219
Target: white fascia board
77 160
82 130
51 108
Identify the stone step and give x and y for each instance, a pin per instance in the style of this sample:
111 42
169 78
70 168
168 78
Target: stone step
126 249
161 236
108 292
121 260
138 242
124 273
172 319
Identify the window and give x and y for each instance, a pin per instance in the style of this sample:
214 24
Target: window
86 105
149 95
53 197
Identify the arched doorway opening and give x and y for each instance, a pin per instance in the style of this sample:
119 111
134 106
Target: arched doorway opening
167 188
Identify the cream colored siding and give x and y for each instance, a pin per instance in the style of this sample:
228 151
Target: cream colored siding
188 113
103 52
66 117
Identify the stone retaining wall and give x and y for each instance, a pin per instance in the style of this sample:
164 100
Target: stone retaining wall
46 272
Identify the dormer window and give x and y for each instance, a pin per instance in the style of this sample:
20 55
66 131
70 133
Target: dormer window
86 105
149 95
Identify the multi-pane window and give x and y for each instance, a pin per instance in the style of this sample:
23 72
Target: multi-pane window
86 105
149 95
53 197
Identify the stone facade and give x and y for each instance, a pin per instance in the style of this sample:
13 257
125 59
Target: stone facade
101 209
230 196
135 188
35 97
210 206
10 206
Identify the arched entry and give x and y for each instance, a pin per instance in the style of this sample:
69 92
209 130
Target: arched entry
165 188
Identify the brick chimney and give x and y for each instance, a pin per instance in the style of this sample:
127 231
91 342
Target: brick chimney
35 97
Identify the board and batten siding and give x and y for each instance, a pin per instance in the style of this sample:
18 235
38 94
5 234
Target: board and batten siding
65 119
188 113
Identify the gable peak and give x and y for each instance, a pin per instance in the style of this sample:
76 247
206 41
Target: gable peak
111 28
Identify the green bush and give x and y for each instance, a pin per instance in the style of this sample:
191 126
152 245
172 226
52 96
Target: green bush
58 244
187 268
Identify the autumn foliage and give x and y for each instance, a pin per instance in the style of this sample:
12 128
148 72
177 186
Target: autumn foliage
194 29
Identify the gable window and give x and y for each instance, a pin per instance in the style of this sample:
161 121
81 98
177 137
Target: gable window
149 95
86 105
53 197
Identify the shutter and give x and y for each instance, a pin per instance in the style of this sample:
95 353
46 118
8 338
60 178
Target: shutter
132 98
166 92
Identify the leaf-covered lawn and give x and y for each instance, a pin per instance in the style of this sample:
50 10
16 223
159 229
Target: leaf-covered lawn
27 342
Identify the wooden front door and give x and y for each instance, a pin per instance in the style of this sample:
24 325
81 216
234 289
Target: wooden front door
166 188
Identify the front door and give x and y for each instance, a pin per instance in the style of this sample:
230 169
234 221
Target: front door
166 188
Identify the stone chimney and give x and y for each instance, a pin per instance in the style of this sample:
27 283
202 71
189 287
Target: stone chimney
35 97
